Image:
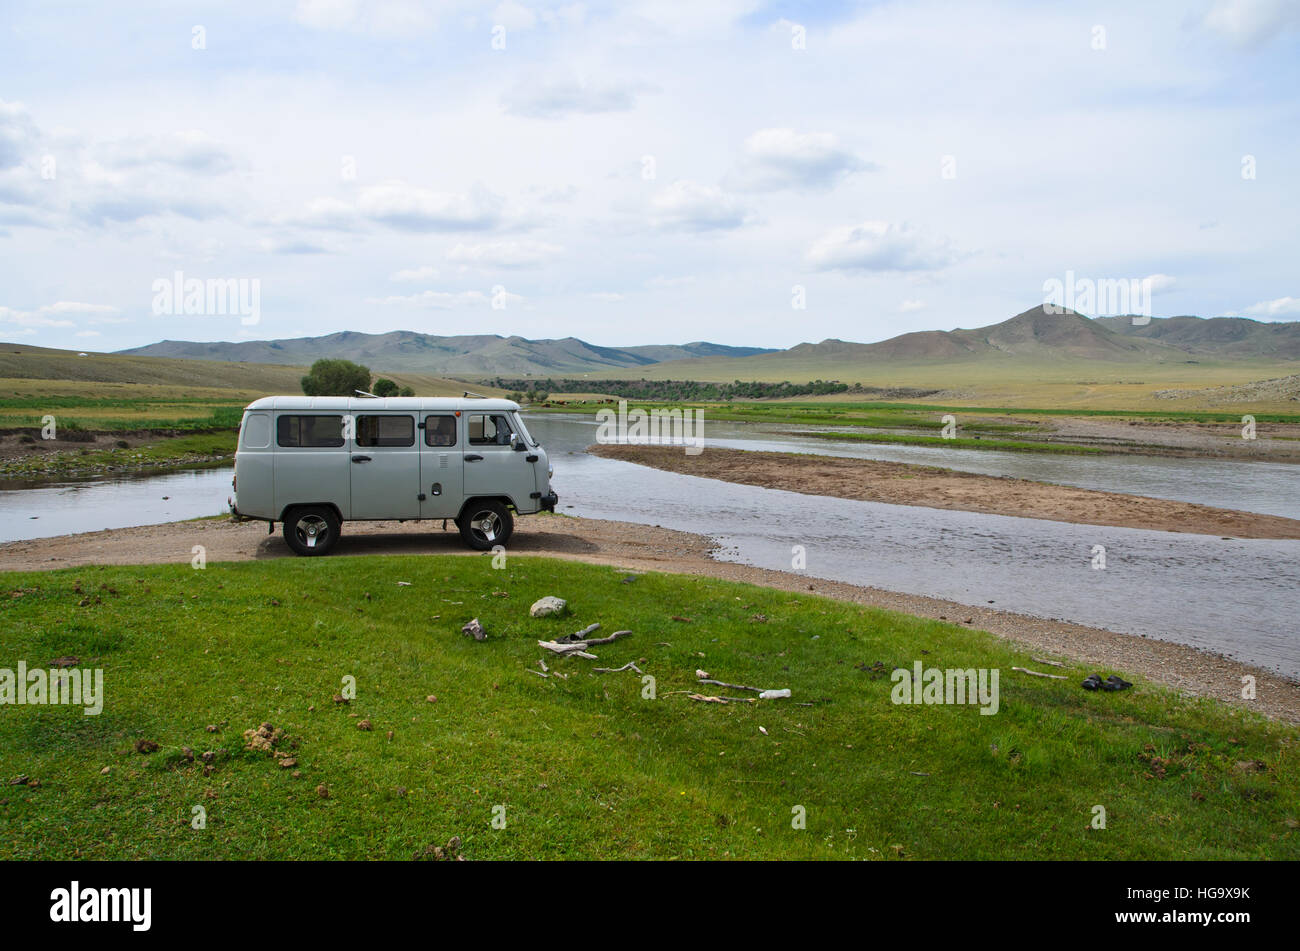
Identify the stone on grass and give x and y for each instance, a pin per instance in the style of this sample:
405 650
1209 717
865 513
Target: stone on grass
547 606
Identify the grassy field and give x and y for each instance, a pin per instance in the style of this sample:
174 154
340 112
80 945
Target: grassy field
1048 383
586 766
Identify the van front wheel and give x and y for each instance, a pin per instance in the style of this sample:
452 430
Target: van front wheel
484 525
311 530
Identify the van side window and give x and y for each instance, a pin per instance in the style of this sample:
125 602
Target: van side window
440 430
489 430
316 432
385 431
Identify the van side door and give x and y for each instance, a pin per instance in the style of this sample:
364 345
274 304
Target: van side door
311 461
385 464
441 475
492 466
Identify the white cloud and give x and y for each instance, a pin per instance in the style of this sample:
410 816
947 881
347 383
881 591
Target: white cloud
77 307
692 206
504 254
444 300
514 16
783 158
911 306
1251 22
1281 307
880 246
18 134
387 17
191 151
414 274
606 296
1159 283
557 98
411 208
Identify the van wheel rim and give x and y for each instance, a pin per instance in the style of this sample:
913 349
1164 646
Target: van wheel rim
487 525
312 530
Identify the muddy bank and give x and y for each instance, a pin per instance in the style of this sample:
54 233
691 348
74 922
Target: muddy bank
899 483
647 548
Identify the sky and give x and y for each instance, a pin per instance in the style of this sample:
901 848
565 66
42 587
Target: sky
649 171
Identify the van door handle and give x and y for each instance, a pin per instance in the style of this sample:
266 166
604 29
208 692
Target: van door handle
360 458
473 457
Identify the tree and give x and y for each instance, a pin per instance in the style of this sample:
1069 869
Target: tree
335 378
406 391
385 387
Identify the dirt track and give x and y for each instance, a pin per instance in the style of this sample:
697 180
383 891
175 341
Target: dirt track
899 483
645 548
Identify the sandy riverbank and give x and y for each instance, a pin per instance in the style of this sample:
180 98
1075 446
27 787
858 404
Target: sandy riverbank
900 483
646 548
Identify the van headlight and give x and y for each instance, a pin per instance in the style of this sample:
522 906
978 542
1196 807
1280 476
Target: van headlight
550 472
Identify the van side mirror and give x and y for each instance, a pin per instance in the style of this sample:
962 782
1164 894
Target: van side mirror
516 443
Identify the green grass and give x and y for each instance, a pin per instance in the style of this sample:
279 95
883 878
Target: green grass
584 766
189 450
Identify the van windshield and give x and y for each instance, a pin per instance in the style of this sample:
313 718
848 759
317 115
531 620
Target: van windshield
522 430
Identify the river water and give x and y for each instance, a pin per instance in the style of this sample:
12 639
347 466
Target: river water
1236 597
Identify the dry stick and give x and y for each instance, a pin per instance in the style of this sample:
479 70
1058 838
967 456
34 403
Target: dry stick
580 635
630 665
1036 673
605 640
567 650
719 683
542 664
1050 663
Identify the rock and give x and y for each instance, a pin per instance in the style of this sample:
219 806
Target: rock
548 606
431 698
475 630
363 725
322 791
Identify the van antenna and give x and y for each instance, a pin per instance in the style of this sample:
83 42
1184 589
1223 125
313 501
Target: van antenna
364 393
475 395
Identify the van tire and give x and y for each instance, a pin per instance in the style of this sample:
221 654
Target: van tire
486 524
311 529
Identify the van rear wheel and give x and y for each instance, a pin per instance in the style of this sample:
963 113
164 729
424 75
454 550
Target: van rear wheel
484 525
311 530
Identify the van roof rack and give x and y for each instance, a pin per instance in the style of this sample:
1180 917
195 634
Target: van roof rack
364 393
477 396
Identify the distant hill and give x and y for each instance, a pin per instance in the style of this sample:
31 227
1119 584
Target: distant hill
1222 336
473 355
116 374
1035 346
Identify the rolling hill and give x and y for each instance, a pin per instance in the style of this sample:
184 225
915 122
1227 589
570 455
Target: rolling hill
1235 336
1033 347
461 356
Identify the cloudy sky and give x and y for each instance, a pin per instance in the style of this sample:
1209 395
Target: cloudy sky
648 171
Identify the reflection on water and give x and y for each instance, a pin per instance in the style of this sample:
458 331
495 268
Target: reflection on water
1238 597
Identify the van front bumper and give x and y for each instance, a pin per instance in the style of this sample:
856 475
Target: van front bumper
548 502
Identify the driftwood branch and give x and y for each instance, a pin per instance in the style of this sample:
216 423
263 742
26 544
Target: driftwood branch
607 640
1038 673
630 665
1044 660
719 683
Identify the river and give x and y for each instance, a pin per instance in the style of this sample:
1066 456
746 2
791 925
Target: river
1237 597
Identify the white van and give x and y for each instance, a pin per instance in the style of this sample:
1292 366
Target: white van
315 462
